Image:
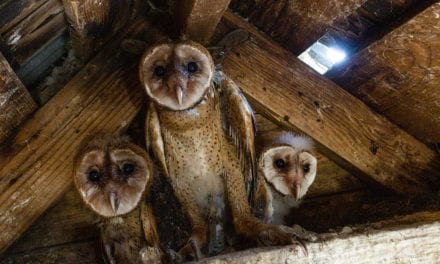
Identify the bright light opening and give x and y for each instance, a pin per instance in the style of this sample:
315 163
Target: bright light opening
323 55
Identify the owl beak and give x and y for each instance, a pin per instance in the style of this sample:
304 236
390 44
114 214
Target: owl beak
179 94
114 201
296 190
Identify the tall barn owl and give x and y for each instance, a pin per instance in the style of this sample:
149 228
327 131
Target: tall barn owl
288 168
111 176
202 132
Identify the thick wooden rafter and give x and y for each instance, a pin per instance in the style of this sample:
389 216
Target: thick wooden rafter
399 76
403 239
287 91
93 23
36 170
198 19
15 101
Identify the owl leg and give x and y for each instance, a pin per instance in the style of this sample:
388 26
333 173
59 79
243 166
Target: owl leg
199 228
244 222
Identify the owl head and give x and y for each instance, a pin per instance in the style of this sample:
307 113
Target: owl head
176 75
111 175
287 164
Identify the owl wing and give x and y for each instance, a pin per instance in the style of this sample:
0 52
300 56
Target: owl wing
154 137
239 124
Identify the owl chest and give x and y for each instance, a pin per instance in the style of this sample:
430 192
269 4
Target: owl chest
195 162
282 205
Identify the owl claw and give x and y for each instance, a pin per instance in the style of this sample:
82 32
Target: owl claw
191 250
283 235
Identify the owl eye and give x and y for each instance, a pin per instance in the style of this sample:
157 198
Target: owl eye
159 71
306 168
128 169
192 67
279 163
93 176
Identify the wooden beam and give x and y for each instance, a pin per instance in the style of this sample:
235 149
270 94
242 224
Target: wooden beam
296 24
286 90
16 103
93 23
412 238
197 19
399 75
36 170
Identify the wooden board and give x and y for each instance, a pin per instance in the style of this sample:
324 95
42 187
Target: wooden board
198 19
408 239
399 76
16 103
93 23
36 169
285 90
297 24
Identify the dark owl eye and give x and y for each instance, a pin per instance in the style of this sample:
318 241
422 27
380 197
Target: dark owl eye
93 176
192 67
159 71
128 169
279 163
306 168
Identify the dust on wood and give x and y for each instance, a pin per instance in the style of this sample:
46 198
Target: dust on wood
16 103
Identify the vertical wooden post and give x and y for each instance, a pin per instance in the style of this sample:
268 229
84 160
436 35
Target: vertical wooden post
197 19
15 101
94 22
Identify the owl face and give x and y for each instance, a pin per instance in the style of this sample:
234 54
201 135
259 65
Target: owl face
111 175
176 75
289 170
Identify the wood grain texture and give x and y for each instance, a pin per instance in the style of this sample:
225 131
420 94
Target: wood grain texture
33 27
295 23
283 89
16 103
36 170
399 76
94 22
330 178
197 19
407 239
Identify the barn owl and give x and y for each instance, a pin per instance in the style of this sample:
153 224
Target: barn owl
202 132
111 175
288 168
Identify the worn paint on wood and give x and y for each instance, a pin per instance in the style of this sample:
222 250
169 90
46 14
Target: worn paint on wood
94 22
36 170
197 19
16 103
284 89
399 76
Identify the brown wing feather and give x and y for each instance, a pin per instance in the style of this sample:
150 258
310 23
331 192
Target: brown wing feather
154 137
239 124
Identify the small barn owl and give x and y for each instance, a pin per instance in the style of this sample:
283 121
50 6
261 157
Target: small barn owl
288 168
202 132
111 176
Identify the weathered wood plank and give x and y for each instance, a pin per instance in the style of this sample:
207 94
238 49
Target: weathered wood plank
69 221
330 178
16 103
198 19
399 76
84 252
408 239
285 90
36 170
295 23
93 23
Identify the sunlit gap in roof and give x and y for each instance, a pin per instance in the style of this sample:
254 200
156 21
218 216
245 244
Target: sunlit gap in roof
323 54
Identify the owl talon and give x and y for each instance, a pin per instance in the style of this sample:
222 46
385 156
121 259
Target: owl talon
191 250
